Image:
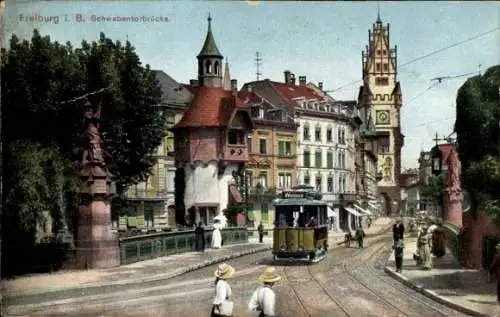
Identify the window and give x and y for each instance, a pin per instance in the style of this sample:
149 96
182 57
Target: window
208 67
288 148
339 159
235 137
343 183
306 134
264 212
343 136
340 184
318 183
216 68
384 52
329 159
170 180
339 136
329 136
170 119
378 52
330 184
382 81
317 134
281 180
307 158
249 176
377 67
261 114
343 159
386 67
307 179
318 158
170 144
383 145
288 180
263 179
262 146
249 144
284 148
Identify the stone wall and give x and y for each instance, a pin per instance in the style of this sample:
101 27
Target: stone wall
472 237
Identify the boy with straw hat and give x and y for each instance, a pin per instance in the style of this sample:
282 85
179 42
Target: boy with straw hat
222 305
495 269
264 299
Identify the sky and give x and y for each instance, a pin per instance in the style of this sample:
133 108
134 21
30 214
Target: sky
321 40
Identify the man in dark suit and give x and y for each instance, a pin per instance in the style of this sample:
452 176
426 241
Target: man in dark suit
398 230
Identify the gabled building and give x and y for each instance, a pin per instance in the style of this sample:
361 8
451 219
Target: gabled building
381 98
272 155
153 201
325 139
210 142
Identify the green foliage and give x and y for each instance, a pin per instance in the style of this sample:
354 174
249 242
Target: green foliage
492 208
478 135
434 189
41 133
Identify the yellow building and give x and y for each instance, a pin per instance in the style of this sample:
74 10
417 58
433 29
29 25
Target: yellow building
272 157
153 201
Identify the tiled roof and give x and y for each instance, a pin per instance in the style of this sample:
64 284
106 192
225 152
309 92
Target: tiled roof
211 107
290 92
171 91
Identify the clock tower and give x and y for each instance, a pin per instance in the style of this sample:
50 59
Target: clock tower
381 100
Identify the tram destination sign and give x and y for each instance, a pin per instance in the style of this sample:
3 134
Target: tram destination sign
294 194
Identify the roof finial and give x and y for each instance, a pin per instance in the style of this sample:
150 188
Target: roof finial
209 21
378 13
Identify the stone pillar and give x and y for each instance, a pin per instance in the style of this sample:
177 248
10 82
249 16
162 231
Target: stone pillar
96 244
453 191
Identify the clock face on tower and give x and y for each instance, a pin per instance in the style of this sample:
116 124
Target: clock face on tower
382 117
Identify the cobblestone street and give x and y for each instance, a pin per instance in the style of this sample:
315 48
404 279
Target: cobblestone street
349 282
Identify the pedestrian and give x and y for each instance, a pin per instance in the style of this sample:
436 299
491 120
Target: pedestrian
222 304
199 238
216 236
424 246
398 230
495 270
347 239
264 299
360 236
398 254
260 229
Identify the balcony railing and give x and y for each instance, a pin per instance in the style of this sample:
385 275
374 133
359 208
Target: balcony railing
259 192
148 194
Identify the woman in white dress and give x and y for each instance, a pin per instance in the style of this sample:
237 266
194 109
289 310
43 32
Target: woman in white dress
222 304
216 236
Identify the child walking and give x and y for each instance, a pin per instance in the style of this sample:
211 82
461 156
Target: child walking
398 254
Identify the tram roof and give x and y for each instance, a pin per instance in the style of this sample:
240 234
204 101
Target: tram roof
298 202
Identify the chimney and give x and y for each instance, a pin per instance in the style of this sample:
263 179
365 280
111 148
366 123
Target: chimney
288 77
292 79
320 86
193 82
234 85
302 80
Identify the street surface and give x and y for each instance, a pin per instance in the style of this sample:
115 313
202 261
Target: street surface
349 282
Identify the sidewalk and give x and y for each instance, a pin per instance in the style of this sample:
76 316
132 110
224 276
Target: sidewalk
450 284
135 273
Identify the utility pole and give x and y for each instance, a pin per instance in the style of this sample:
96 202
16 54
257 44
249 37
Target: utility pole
258 61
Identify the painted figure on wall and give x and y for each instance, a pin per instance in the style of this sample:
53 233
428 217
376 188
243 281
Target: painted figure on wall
387 169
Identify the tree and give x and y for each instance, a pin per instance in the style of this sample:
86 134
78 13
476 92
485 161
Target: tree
478 135
41 130
434 190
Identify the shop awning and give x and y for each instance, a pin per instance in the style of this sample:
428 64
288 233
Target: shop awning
330 212
234 194
353 211
367 212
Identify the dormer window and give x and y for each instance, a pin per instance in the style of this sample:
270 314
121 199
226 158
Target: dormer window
261 114
236 137
258 113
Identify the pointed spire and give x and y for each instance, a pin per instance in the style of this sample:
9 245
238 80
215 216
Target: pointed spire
379 20
226 81
209 47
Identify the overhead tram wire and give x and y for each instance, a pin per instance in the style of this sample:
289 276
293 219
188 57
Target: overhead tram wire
425 56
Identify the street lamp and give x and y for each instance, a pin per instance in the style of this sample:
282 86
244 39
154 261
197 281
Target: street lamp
437 160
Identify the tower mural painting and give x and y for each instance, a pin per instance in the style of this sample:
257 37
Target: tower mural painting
382 100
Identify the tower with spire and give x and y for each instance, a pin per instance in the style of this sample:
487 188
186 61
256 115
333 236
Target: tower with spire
380 102
226 81
210 61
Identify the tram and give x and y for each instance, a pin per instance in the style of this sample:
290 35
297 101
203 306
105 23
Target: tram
301 230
